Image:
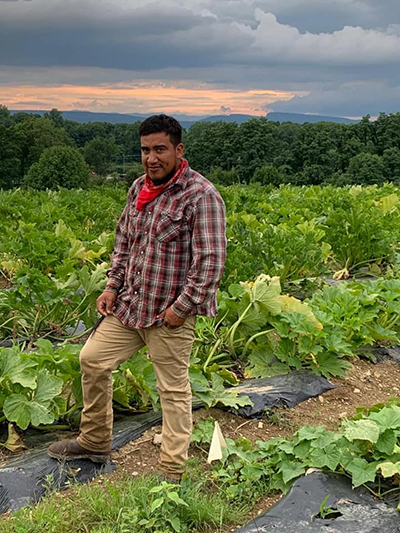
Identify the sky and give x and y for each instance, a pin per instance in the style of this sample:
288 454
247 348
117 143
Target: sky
201 57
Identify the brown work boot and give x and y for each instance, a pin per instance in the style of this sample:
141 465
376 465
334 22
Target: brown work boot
70 449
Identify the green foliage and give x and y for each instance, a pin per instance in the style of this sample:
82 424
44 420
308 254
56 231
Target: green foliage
215 144
128 502
5 116
134 385
215 394
296 233
56 246
223 177
99 154
35 135
34 408
28 393
10 157
366 168
44 386
270 332
59 166
289 250
163 515
135 171
302 154
307 154
391 163
360 313
268 175
39 305
203 431
56 117
366 449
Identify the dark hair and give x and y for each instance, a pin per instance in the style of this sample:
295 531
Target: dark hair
162 123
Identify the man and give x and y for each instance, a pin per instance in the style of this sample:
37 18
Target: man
168 259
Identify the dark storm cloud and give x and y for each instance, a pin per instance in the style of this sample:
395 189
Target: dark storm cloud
152 37
318 16
143 38
349 99
319 46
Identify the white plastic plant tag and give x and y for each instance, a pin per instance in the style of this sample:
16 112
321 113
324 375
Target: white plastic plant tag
217 443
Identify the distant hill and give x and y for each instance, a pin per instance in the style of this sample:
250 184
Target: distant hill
84 117
239 119
300 118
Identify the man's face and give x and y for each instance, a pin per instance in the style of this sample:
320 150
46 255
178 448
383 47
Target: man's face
160 157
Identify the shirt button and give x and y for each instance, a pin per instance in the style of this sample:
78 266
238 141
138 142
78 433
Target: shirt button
142 252
138 272
149 212
135 292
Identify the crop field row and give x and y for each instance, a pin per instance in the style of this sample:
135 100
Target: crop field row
311 282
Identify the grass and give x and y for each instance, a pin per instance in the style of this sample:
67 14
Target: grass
121 507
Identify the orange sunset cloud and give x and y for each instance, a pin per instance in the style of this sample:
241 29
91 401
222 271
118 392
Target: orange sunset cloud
141 97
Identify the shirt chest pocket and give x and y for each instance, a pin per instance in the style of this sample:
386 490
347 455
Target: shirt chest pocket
172 226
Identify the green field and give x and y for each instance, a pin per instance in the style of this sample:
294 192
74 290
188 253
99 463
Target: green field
311 280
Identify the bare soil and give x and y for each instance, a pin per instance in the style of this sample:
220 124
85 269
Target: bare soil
365 384
4 283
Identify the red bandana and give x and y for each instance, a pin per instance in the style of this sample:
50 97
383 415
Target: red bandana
150 191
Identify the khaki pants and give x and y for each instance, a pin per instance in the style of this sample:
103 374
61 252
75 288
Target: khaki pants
169 349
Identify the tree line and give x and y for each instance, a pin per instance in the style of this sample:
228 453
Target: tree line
48 151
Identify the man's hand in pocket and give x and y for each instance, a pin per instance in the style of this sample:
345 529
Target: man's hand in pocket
171 320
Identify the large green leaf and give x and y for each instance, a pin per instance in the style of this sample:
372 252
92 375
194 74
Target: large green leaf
236 290
17 369
45 347
361 471
379 333
337 344
361 430
387 418
48 387
254 318
290 470
302 449
260 361
328 456
387 203
291 304
330 364
266 292
19 409
386 442
217 394
389 469
310 432
36 411
174 496
92 281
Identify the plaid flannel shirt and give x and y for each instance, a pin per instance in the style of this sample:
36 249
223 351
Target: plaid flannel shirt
170 253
